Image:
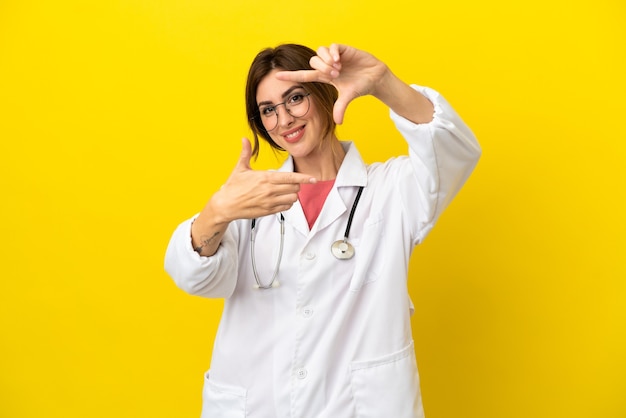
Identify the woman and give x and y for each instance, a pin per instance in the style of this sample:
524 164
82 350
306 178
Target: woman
312 259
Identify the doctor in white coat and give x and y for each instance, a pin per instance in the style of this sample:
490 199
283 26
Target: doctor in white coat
312 259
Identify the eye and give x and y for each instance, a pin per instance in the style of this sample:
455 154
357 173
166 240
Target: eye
267 111
296 98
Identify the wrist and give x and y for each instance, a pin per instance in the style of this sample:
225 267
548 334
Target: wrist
216 212
208 228
384 85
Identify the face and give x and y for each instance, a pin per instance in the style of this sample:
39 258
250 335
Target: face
299 136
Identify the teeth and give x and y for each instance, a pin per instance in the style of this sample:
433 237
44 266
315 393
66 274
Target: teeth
293 134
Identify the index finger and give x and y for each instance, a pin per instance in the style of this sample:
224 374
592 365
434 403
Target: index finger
303 76
277 177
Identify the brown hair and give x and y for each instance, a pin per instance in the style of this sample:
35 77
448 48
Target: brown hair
289 57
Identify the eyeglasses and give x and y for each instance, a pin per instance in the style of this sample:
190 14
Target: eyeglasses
297 105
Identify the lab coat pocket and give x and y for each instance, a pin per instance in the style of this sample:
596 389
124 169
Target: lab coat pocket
221 400
387 386
368 260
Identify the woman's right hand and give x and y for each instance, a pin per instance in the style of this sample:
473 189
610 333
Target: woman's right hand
251 194
247 194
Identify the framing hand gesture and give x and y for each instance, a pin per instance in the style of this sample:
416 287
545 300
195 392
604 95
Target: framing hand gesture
353 72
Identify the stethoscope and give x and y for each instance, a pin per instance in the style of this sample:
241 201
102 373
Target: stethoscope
341 249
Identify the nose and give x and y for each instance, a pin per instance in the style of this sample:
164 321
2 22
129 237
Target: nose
284 117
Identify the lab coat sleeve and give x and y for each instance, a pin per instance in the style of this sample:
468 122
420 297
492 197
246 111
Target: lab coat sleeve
214 276
443 154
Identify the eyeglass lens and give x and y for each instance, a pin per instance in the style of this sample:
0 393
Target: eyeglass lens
297 105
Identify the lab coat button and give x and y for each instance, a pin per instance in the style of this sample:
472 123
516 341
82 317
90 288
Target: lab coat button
309 256
307 312
301 373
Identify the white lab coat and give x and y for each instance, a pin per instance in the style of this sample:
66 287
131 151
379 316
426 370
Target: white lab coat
334 339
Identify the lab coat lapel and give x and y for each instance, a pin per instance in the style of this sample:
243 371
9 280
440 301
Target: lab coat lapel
351 175
295 217
333 208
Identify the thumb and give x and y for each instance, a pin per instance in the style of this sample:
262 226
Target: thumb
245 156
339 109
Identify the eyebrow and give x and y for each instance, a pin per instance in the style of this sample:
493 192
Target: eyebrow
284 95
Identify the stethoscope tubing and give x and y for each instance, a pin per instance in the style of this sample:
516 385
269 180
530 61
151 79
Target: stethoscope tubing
273 282
341 249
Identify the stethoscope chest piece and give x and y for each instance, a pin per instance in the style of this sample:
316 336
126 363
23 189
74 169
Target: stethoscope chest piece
342 250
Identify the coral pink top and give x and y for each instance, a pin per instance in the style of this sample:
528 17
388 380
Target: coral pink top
312 198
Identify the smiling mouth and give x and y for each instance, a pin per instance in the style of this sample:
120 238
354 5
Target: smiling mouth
295 135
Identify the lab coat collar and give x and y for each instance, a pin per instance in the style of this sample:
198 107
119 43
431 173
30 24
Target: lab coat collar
353 172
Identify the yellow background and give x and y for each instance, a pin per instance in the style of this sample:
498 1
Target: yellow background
118 119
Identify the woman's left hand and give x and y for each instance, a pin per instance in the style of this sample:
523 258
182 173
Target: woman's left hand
353 72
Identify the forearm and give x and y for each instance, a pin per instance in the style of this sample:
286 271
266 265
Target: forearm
403 99
443 154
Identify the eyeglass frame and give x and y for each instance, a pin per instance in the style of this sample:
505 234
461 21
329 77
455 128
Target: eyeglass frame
259 115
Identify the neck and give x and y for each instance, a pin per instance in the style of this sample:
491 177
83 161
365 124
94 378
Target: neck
324 164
